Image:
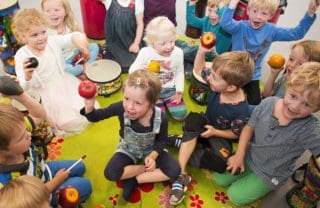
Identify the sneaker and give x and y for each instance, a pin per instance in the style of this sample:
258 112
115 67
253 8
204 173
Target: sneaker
174 140
179 188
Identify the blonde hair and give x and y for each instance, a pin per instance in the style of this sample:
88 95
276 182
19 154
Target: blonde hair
235 67
10 117
311 49
307 78
213 3
24 19
146 80
24 192
270 5
69 19
158 26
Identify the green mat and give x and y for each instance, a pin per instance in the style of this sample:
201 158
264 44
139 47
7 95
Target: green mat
99 143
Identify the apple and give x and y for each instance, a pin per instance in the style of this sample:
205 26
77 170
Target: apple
208 40
87 89
33 62
154 66
68 197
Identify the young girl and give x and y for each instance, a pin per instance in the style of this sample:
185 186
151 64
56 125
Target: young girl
301 52
14 193
160 37
143 133
19 156
58 89
123 30
278 132
61 21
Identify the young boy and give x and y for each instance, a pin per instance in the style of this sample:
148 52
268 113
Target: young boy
278 132
227 112
209 23
19 156
256 34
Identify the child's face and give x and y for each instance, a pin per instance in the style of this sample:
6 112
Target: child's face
164 44
296 58
135 102
55 12
36 38
20 140
213 16
296 105
216 82
258 17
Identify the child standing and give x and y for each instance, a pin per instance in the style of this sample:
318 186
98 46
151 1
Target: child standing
24 192
143 132
278 132
61 22
19 156
301 52
57 88
160 37
227 112
256 34
123 30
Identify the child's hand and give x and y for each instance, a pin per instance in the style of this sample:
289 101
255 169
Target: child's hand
209 132
176 98
89 104
134 48
313 6
192 2
276 71
28 72
234 164
61 176
233 4
150 164
204 50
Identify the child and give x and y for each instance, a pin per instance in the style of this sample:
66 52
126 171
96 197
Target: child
278 132
227 112
61 22
19 156
24 192
301 52
143 132
123 30
57 88
160 37
256 34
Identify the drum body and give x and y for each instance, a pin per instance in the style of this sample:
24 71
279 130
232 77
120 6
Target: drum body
8 43
199 90
106 74
241 11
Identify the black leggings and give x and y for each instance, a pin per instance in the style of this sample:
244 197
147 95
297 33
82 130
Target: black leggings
115 167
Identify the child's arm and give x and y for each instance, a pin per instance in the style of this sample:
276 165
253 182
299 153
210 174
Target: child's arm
192 19
213 132
313 6
79 40
58 179
134 47
226 21
200 60
179 76
237 161
268 86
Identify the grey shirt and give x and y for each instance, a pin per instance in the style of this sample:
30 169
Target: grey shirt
273 149
280 86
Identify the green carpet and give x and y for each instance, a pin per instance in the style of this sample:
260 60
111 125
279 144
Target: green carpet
99 143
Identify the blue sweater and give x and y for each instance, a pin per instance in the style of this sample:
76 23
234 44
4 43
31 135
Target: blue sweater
223 42
258 41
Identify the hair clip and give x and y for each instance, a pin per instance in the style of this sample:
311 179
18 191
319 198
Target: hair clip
138 81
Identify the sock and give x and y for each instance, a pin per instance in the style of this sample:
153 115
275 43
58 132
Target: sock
174 141
128 186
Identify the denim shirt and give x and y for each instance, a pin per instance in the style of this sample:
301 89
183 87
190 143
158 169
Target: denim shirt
139 145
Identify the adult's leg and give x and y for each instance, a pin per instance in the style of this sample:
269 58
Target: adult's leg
252 89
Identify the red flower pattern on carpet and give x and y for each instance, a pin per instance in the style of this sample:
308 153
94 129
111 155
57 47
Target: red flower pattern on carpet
114 199
196 201
221 196
136 193
54 148
164 198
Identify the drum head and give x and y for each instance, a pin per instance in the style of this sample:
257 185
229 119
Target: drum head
198 76
103 71
20 106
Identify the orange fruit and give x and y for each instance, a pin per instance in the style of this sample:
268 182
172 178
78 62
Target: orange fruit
154 66
276 61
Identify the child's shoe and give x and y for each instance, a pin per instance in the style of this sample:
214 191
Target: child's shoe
179 188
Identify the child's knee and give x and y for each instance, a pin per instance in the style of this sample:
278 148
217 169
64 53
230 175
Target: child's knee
220 179
237 198
113 173
74 70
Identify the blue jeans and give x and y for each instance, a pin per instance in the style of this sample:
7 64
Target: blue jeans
83 185
78 69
